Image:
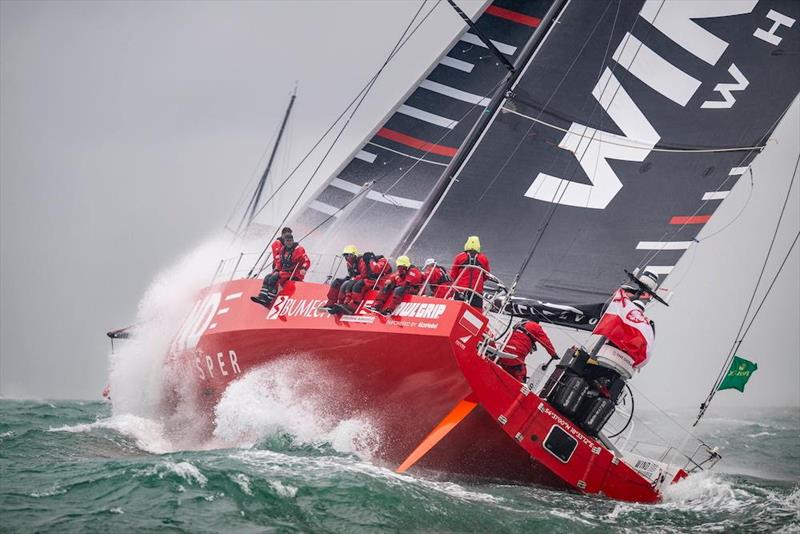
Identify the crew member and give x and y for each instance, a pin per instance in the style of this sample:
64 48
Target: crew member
373 270
406 279
469 271
522 342
624 324
342 285
277 246
293 264
626 328
436 279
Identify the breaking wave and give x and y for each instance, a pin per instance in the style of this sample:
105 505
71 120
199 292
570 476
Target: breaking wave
278 399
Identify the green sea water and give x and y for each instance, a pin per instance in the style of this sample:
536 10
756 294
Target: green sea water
72 466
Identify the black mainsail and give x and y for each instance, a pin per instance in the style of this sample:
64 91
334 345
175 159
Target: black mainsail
628 127
625 127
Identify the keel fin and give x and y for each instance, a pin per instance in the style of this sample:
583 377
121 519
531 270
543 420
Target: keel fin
456 415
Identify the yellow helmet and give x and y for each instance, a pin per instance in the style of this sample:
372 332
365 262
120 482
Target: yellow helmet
473 243
403 261
350 249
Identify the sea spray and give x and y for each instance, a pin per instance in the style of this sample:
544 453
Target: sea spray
279 399
137 367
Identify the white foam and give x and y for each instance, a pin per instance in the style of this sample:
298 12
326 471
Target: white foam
243 482
147 433
283 490
185 470
278 399
704 492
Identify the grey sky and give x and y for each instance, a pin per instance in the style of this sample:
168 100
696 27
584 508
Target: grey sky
128 131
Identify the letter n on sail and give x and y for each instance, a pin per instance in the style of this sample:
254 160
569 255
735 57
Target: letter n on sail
594 148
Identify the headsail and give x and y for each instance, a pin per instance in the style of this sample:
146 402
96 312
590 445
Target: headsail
407 153
627 129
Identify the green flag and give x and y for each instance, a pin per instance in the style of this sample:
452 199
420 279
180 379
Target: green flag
738 374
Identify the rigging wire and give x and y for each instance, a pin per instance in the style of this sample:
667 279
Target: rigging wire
641 145
774 279
366 87
357 101
364 212
737 339
650 256
385 194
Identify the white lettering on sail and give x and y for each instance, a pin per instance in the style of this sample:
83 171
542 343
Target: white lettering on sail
661 75
778 19
594 148
674 19
728 100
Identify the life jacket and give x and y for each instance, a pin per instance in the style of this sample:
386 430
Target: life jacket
277 246
538 335
352 268
373 266
293 260
411 277
465 271
438 275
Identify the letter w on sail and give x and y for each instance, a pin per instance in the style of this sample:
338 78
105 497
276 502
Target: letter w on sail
594 148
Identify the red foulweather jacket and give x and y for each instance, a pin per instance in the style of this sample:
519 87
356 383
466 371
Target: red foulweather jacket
466 273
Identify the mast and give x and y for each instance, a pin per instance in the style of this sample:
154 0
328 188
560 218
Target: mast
418 222
252 207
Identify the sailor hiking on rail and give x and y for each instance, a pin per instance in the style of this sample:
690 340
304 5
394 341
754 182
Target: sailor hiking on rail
436 280
342 285
292 264
373 270
406 279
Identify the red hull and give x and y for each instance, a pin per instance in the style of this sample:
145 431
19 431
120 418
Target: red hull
403 374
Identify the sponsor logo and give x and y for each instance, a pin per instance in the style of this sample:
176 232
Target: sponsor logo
285 306
681 22
366 319
277 307
420 310
636 316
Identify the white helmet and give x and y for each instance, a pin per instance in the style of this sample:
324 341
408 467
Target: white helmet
429 261
649 279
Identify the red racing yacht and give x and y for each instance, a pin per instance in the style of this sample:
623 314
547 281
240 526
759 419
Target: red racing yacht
577 139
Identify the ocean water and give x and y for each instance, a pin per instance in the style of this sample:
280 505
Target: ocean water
73 466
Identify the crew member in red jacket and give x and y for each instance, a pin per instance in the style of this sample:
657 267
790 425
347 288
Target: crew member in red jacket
469 271
341 286
522 342
293 264
372 273
406 279
277 246
435 278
